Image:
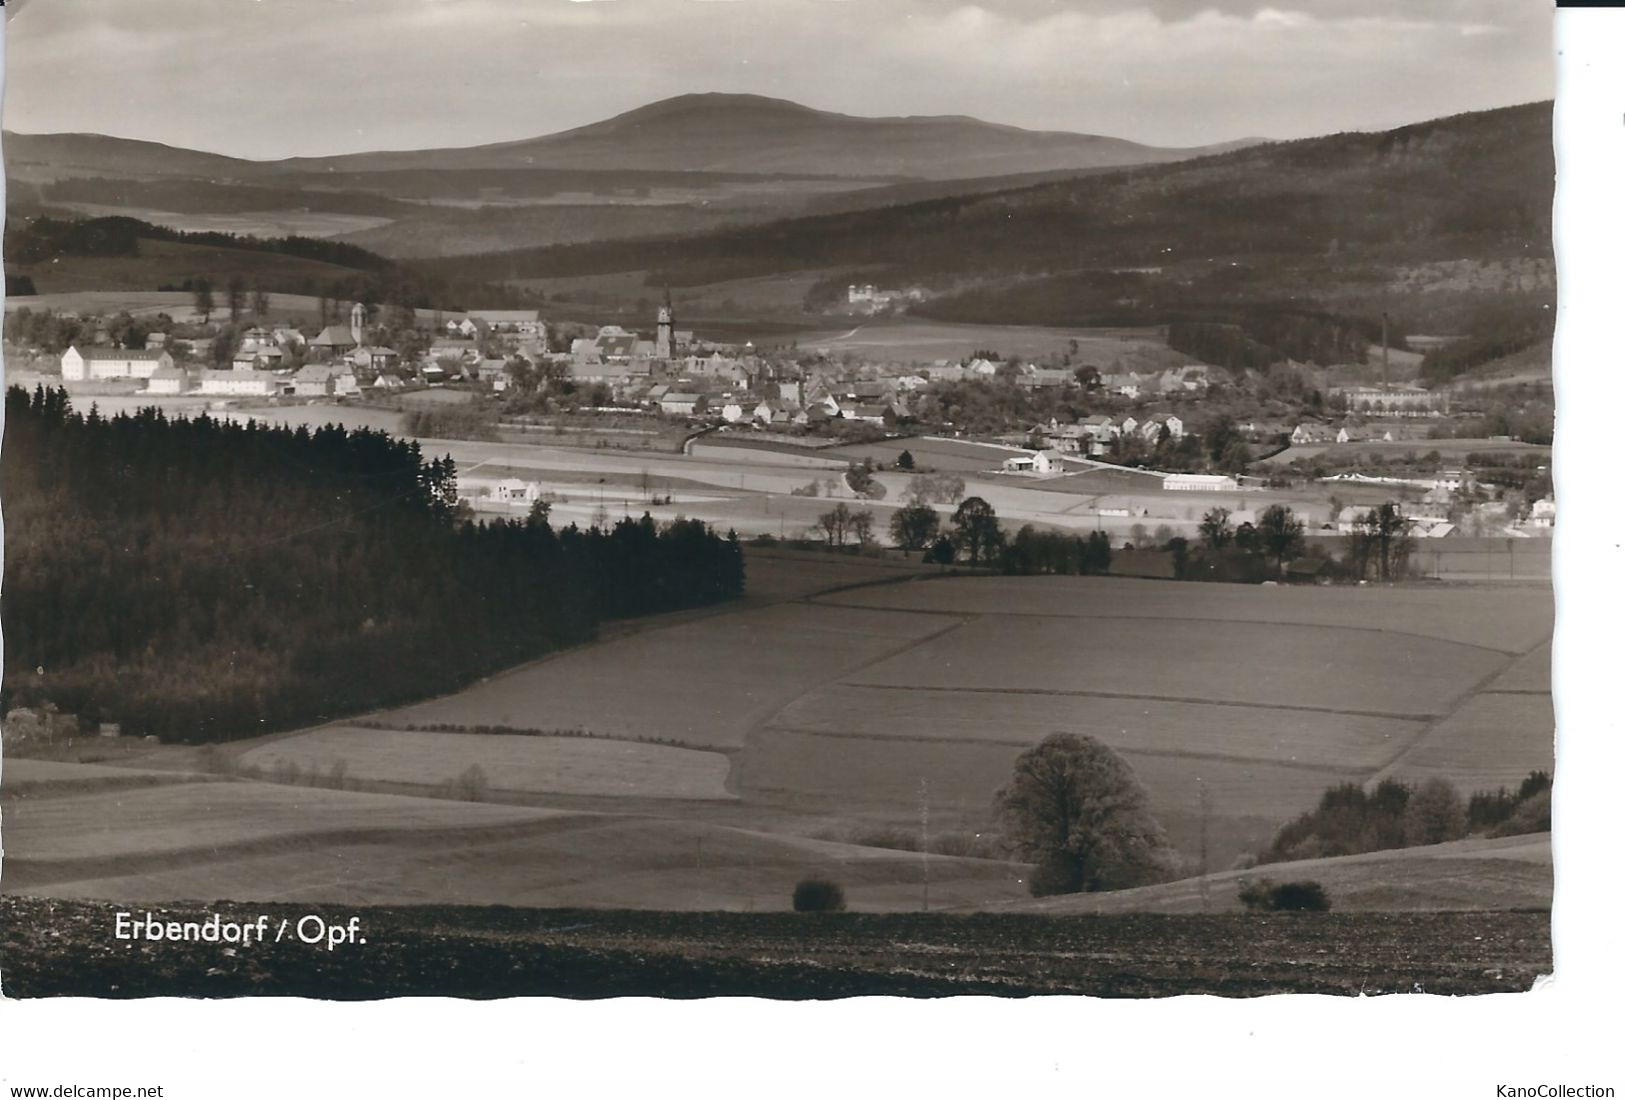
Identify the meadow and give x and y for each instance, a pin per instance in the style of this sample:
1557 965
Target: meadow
922 341
1493 740
1508 619
1307 668
804 728
255 841
509 762
704 683
1478 874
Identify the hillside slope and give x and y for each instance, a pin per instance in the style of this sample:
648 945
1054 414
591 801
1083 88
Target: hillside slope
1504 873
1334 220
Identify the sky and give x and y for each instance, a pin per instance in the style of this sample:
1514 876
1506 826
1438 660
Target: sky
273 78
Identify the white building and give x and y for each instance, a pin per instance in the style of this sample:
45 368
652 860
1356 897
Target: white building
525 322
1035 462
1199 483
1395 400
169 380
104 364
239 383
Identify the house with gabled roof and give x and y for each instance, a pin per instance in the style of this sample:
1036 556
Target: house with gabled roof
682 404
169 380
334 340
313 380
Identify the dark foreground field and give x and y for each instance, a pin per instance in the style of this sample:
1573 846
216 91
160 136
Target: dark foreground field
64 948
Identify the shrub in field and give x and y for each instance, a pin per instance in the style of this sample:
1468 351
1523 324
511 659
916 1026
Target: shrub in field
1300 897
471 786
1071 799
818 895
1255 895
1266 896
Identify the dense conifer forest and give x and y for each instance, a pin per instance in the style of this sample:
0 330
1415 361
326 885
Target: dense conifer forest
200 580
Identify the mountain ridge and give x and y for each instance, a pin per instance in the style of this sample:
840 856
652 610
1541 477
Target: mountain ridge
702 131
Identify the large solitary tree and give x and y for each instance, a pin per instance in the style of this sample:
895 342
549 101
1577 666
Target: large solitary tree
976 530
1074 808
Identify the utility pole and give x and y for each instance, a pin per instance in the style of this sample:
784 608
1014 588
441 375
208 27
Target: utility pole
1385 351
1206 804
925 845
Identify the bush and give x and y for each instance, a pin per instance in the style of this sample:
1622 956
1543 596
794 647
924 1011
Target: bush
1268 897
472 785
818 895
1300 897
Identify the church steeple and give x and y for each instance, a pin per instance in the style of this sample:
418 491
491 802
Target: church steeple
358 323
665 334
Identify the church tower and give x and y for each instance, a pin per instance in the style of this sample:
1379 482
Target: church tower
665 334
358 323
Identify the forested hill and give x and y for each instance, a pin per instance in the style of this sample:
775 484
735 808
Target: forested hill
1333 215
71 253
201 580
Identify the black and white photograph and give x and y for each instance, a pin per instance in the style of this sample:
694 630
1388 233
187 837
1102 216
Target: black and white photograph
784 499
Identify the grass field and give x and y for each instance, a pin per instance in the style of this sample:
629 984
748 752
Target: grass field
1492 741
843 693
211 817
910 340
950 455
266 842
147 303
1335 741
705 683
1335 454
1532 672
560 765
773 574
818 461
1511 872
1509 620
1310 668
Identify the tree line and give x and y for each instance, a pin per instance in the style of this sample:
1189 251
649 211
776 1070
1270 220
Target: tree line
200 580
1349 820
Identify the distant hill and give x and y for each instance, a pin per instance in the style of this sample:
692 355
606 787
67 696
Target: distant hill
42 157
1345 222
707 132
715 132
683 165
